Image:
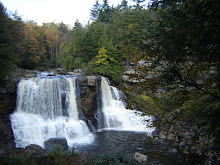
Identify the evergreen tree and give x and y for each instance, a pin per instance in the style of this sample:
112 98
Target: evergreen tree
6 43
95 11
138 4
124 5
105 15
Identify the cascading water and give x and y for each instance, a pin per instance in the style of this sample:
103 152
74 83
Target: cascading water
116 116
46 108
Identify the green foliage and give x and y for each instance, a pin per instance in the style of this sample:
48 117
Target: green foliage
58 157
102 12
78 63
115 159
6 43
12 159
195 108
68 62
105 65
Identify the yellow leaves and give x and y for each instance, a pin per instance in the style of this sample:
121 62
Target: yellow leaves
103 58
102 51
101 61
130 26
147 99
35 59
150 102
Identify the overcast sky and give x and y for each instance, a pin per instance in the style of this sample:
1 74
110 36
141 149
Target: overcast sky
66 11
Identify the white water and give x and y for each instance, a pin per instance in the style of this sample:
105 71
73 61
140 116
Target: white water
46 108
117 117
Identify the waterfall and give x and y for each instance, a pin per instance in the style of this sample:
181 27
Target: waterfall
46 108
116 116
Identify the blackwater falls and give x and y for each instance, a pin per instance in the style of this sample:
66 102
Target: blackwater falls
47 108
89 113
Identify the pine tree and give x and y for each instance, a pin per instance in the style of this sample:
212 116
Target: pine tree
94 12
6 43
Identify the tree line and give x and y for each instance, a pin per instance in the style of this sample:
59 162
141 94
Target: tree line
28 45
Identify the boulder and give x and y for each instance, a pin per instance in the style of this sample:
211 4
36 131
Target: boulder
51 144
35 150
140 157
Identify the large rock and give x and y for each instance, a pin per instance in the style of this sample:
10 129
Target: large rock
7 106
35 150
51 144
6 135
140 157
88 98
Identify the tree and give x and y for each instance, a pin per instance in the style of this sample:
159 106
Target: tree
105 65
103 13
74 48
18 38
6 43
187 53
52 39
124 5
138 4
94 12
183 50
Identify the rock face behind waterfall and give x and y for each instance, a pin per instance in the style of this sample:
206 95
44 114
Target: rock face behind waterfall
88 96
7 106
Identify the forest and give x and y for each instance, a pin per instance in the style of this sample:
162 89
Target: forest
178 39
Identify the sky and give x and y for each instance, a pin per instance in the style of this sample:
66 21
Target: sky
66 11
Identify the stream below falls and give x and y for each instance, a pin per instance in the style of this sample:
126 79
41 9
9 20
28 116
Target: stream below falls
129 142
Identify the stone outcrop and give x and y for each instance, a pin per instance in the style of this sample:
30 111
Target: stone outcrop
6 135
88 98
140 157
187 137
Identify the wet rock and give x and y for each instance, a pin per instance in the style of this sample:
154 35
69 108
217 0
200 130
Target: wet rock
140 157
51 144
